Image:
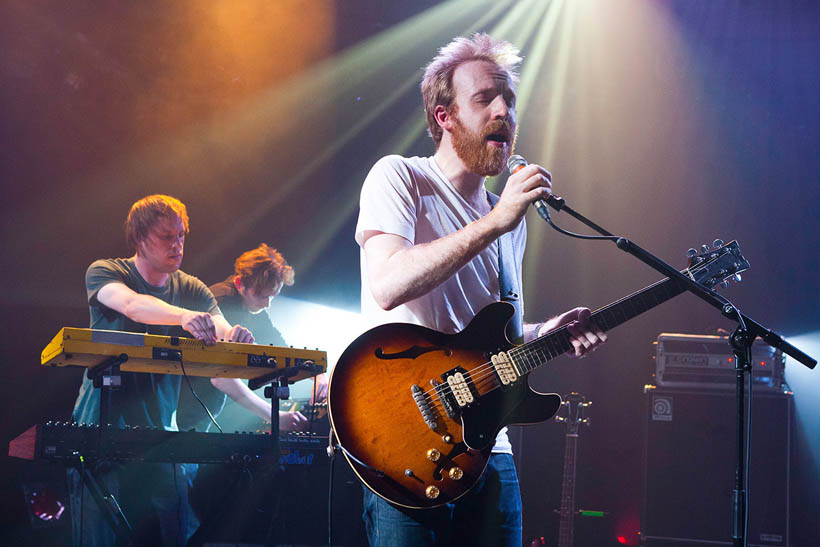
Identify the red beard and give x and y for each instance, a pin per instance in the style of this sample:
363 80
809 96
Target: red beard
473 151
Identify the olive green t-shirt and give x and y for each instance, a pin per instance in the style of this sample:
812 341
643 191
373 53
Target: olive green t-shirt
147 400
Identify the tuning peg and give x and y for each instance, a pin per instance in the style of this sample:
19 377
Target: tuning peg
704 248
736 278
718 243
691 253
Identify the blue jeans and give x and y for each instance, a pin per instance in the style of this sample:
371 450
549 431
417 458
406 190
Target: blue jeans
490 514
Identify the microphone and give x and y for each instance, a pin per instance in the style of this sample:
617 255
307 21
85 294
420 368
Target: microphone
515 163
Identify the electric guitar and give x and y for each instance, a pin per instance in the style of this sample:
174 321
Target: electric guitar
416 411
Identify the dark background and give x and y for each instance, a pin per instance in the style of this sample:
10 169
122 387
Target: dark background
672 123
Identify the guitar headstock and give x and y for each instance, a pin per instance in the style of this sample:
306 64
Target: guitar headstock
720 264
572 411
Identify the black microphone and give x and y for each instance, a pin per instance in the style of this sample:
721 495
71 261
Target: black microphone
514 164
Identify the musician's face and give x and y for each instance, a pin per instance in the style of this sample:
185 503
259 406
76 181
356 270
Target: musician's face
162 249
257 300
483 114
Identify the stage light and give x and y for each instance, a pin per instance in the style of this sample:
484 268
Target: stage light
306 324
804 384
45 502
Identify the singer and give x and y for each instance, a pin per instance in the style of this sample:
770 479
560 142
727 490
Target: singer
437 247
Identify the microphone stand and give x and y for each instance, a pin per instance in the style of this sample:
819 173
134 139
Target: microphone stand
741 341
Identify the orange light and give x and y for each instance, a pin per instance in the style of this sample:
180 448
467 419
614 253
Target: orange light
730 359
762 363
622 540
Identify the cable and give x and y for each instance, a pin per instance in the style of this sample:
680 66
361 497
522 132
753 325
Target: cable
82 497
179 503
748 451
313 407
330 502
545 214
193 392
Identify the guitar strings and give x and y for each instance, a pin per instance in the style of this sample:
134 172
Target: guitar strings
484 375
551 345
554 343
485 371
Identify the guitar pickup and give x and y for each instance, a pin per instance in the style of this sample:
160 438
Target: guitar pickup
504 368
459 388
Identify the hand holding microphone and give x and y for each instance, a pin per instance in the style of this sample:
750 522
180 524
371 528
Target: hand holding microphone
514 164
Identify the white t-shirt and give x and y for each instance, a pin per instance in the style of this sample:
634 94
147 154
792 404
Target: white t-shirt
412 198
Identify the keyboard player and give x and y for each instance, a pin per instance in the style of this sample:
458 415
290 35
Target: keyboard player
244 298
148 293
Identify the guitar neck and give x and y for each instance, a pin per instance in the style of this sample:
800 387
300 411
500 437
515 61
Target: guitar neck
546 348
567 511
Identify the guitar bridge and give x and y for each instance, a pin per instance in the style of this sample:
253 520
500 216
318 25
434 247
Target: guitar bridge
423 403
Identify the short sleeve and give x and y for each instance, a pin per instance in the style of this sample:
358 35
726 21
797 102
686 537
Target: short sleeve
99 274
388 200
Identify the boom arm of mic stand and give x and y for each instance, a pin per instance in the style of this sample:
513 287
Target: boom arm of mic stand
709 296
717 301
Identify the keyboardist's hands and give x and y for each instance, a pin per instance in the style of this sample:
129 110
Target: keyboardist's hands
238 333
200 325
292 421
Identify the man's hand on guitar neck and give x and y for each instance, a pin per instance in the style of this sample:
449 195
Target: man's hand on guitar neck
585 335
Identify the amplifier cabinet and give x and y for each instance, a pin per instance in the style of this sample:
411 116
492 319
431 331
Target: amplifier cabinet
707 362
689 464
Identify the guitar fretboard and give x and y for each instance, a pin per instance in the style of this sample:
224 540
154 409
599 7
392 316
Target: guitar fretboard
546 348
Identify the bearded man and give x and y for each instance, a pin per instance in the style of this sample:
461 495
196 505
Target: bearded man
429 234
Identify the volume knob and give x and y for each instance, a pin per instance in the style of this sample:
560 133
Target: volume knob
433 455
432 492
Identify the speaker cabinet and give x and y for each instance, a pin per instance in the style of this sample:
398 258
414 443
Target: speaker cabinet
689 468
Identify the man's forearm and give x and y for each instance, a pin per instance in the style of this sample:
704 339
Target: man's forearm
242 394
144 308
416 270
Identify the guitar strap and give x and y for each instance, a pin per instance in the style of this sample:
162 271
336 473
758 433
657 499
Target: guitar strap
508 282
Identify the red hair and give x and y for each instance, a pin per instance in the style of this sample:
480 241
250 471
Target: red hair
262 268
